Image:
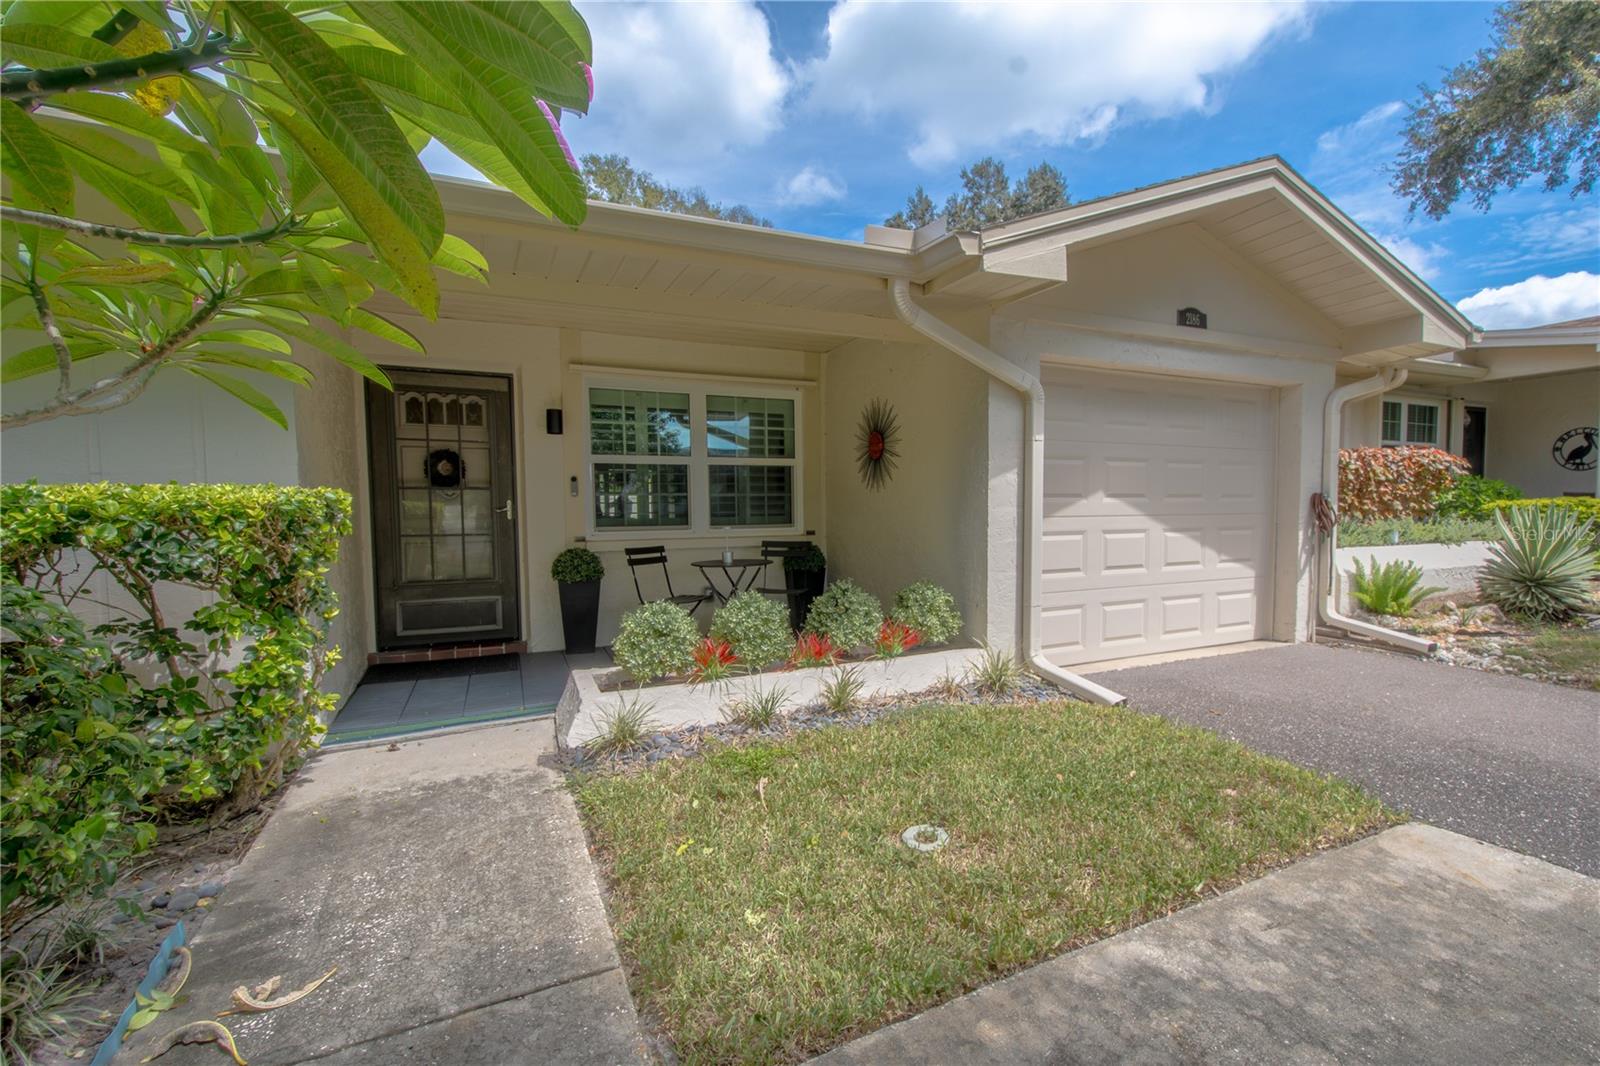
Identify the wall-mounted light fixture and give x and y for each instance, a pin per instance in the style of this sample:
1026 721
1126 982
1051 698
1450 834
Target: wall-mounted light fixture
552 421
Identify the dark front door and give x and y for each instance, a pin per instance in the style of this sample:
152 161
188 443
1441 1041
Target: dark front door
1474 421
443 509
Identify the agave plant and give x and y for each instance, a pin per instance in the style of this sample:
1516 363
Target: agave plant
1392 588
1541 566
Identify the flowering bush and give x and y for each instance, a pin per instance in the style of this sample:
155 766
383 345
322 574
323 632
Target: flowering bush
929 610
1394 482
756 626
713 660
811 649
847 614
656 639
894 639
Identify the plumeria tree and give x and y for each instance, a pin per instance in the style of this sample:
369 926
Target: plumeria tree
191 186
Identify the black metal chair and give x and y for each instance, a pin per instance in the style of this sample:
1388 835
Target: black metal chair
656 555
776 551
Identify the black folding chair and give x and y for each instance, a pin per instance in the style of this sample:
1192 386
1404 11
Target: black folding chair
776 551
657 556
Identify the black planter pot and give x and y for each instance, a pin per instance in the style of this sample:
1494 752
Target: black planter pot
804 586
580 614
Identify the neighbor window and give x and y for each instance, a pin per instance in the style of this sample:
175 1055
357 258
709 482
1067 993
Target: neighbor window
671 457
1410 422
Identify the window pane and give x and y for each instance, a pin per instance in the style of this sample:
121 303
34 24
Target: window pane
752 495
635 422
1422 424
750 427
628 495
1391 420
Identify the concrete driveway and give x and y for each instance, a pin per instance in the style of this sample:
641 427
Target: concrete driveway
1503 759
449 881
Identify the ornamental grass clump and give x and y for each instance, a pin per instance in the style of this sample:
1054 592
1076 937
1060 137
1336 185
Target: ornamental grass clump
841 693
757 628
1392 588
1542 565
656 640
624 726
758 708
928 609
847 614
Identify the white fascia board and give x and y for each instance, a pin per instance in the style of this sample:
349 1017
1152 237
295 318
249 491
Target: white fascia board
1538 337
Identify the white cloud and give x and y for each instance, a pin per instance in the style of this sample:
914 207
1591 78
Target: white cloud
678 85
1535 301
810 186
968 76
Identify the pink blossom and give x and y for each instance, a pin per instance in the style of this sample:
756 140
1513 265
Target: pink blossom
555 127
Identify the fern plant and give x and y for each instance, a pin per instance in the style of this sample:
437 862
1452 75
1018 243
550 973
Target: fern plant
1392 588
1542 564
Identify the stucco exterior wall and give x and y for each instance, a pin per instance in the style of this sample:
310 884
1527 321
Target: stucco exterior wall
1525 416
929 522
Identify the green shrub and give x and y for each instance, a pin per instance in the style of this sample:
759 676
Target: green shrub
1377 532
848 615
1585 508
78 772
806 560
575 565
1541 566
757 628
928 609
656 640
1393 588
1471 496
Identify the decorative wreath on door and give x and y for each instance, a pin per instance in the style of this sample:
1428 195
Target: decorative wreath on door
877 444
445 469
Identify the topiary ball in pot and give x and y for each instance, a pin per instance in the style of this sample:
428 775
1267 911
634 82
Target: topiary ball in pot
848 615
756 626
928 609
577 564
577 572
656 640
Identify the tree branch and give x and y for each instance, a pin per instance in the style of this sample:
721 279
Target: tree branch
23 86
52 332
140 236
122 387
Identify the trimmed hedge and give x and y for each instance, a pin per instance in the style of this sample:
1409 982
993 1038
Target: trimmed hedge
1394 482
188 731
1583 508
929 610
847 614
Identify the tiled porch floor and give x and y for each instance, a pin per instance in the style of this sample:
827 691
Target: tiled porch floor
409 697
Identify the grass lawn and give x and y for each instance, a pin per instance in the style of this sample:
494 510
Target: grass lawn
768 911
1561 650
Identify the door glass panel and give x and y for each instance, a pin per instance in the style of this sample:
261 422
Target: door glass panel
414 511
446 512
479 562
446 558
416 556
475 511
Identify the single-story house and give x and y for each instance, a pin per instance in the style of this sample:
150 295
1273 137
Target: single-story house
1111 418
1521 405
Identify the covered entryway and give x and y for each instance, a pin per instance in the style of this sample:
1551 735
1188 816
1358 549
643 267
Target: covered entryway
1157 514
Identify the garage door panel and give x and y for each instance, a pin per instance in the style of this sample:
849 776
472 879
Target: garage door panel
1158 502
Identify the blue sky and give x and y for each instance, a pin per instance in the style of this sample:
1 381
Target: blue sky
824 116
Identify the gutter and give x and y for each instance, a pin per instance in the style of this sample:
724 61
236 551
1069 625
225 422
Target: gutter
1332 421
1032 392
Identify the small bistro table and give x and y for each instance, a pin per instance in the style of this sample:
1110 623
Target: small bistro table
749 570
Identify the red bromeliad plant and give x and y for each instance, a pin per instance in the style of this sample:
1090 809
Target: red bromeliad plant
1395 482
812 649
713 660
895 638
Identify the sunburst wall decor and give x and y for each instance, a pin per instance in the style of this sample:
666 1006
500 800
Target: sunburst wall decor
877 444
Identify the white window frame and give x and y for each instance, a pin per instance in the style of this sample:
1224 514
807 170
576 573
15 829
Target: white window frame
699 460
1406 404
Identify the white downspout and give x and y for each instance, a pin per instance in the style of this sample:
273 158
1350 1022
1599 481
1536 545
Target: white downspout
1332 422
952 339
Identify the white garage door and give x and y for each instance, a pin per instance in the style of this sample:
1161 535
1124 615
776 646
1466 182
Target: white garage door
1158 514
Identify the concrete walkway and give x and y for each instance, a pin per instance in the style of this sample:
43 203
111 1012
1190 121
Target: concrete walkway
1503 759
1417 945
450 883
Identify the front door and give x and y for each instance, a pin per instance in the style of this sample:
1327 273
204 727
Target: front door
1474 430
443 509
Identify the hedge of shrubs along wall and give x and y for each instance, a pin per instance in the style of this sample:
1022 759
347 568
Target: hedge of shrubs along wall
110 729
1394 482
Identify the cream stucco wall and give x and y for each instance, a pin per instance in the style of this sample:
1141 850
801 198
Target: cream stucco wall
929 521
1525 416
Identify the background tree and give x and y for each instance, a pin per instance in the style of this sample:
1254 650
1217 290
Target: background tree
204 253
987 198
614 179
1526 106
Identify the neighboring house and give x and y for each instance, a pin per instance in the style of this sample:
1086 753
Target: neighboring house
1111 416
1522 405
